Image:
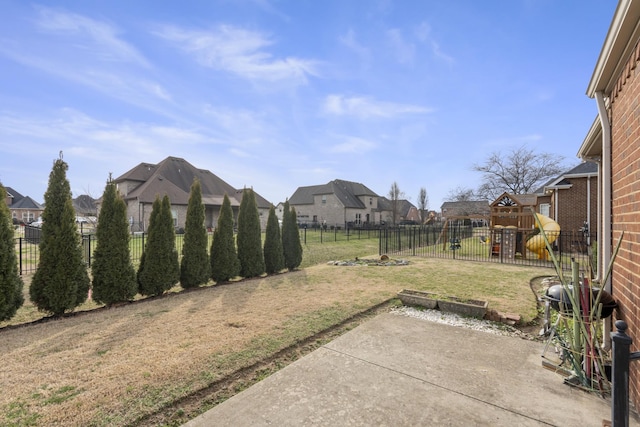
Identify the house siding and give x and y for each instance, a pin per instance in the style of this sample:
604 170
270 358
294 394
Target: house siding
332 211
625 152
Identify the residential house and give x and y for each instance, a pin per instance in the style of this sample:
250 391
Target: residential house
406 212
339 203
85 206
409 212
173 177
23 208
574 197
477 211
613 141
86 213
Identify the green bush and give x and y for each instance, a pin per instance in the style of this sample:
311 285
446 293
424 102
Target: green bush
224 259
60 282
273 253
195 267
114 278
159 266
249 237
11 285
291 245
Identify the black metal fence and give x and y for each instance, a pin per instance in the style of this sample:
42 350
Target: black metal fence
337 234
28 253
466 243
500 245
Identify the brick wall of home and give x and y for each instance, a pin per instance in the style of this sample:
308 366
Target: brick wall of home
625 155
572 204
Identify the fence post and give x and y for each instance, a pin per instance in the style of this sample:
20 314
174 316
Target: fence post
621 343
413 238
20 251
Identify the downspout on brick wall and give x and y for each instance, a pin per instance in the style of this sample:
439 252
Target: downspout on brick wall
604 225
588 219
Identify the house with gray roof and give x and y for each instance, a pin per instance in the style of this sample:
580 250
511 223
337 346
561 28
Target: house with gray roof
85 205
173 177
340 203
22 208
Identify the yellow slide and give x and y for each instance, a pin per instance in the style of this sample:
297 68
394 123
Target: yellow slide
536 243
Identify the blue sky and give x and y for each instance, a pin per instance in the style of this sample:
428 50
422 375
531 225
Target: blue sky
281 94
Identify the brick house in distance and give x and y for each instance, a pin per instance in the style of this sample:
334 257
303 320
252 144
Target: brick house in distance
23 208
173 176
574 198
613 141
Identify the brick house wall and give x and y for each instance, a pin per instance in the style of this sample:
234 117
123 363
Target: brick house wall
572 204
624 113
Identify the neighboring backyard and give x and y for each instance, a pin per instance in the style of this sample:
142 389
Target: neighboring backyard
164 360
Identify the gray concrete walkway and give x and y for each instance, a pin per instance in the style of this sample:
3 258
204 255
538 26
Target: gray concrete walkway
401 371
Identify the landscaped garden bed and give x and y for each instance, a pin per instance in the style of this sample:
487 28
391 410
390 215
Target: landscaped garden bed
383 261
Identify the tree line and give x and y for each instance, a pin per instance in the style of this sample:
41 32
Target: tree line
61 281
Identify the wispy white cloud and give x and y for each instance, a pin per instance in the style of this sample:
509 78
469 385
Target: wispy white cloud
423 34
90 53
403 50
96 139
364 107
349 40
241 52
94 38
239 153
268 7
352 144
241 127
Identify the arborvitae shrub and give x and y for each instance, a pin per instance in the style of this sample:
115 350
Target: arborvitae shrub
11 298
291 245
60 282
224 259
273 253
114 278
159 269
249 237
195 266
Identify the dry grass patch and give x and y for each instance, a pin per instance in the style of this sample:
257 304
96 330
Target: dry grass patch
114 366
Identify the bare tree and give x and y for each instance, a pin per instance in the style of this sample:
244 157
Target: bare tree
460 194
395 197
423 204
518 172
